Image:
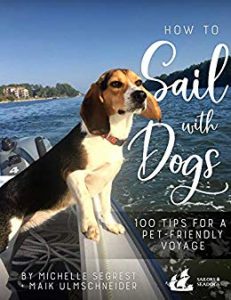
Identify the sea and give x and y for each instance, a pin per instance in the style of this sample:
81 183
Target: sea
53 119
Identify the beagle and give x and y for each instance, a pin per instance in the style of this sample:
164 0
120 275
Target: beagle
84 163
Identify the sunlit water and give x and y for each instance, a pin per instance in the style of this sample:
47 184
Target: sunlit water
55 118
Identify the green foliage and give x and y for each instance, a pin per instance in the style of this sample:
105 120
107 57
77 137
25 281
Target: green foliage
223 80
10 98
38 91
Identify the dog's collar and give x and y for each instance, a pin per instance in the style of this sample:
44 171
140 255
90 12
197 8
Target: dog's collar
113 140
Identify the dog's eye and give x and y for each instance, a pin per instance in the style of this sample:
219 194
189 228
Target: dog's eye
116 84
138 82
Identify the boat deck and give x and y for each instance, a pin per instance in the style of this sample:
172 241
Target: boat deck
59 246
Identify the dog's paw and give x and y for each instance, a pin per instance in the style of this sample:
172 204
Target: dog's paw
114 227
92 233
90 229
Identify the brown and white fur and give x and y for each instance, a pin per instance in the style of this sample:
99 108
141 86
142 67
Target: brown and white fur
84 164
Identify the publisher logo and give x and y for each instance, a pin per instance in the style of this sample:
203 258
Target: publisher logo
179 282
209 282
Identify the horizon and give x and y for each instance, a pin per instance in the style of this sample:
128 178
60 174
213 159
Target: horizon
74 41
54 84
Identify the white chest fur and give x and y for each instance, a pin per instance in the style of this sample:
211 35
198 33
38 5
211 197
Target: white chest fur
99 150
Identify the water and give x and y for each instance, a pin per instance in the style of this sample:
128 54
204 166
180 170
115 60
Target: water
55 118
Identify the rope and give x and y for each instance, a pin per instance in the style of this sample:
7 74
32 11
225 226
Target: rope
55 242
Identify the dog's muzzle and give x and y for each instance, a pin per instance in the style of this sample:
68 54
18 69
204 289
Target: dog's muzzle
138 97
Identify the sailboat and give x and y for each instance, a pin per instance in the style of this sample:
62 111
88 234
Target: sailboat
181 283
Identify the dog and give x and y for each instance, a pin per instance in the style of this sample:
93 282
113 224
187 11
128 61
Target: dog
84 163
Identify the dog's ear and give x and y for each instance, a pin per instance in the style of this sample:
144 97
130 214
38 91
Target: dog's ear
103 80
93 111
152 110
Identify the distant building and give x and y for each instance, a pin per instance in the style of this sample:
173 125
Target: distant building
16 91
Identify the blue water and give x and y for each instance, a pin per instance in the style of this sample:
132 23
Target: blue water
55 118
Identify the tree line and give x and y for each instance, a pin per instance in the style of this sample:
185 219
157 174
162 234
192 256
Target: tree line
39 91
223 80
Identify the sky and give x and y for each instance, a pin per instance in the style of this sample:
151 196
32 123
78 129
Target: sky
74 41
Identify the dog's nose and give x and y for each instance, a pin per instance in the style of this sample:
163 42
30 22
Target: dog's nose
139 96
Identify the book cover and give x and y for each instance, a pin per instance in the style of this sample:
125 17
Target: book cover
115 137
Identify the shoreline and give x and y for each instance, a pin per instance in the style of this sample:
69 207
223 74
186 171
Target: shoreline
35 99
